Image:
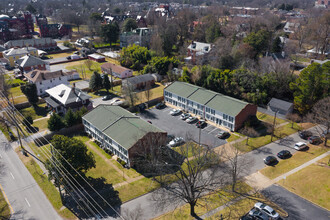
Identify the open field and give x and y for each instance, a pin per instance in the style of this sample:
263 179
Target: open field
311 183
297 159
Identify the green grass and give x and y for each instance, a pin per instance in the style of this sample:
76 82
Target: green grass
4 130
43 152
233 137
36 112
77 65
41 124
47 187
116 91
297 159
300 59
16 91
269 119
155 92
4 208
312 183
188 149
59 55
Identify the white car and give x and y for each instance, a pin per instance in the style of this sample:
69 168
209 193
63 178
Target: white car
176 142
184 116
116 101
191 119
175 112
300 146
267 209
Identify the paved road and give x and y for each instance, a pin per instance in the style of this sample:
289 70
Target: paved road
149 209
26 198
173 125
297 207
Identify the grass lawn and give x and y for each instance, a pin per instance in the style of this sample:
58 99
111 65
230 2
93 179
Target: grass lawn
41 124
78 65
16 91
4 130
4 208
35 112
205 205
187 149
46 186
300 59
43 152
311 183
110 60
268 118
155 92
116 91
20 99
59 55
297 159
17 94
233 137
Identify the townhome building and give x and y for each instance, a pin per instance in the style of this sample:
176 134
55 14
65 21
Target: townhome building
215 107
39 43
121 132
14 54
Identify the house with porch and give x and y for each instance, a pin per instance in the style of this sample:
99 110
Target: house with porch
29 63
63 97
121 132
215 107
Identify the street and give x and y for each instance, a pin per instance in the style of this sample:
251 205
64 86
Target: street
26 198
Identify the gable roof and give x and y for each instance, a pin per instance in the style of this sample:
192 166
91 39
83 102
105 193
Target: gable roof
40 75
280 104
119 124
29 42
29 60
216 101
67 94
139 79
115 68
19 51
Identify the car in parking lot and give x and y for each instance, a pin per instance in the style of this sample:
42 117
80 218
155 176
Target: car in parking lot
267 209
305 134
257 214
300 146
314 140
223 134
175 112
160 105
191 119
201 124
176 142
284 154
107 97
270 160
116 101
184 116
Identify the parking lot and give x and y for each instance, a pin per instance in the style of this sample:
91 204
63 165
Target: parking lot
173 125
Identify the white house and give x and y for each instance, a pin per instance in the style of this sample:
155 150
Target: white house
44 79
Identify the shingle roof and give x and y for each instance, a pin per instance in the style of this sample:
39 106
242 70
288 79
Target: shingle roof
66 94
40 75
216 101
280 104
139 79
29 60
119 124
115 68
19 51
29 42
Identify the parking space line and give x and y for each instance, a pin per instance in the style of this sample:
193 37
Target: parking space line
207 129
213 130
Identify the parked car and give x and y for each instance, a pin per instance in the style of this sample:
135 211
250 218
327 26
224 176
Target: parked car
176 142
184 116
314 140
201 124
284 154
300 146
305 134
170 137
223 135
175 112
191 119
107 97
160 105
270 160
116 101
68 57
267 209
257 214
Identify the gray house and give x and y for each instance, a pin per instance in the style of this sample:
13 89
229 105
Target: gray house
139 82
280 106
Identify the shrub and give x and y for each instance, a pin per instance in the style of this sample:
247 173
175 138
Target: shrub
123 163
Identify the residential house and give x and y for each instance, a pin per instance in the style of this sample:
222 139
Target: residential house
280 106
121 132
117 71
322 4
15 54
197 52
72 74
139 36
96 57
215 107
55 30
62 97
41 43
290 27
139 82
28 63
46 79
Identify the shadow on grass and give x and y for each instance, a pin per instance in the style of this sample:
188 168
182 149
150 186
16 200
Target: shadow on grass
100 201
40 111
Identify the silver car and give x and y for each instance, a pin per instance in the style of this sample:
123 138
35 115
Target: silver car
191 119
267 209
175 112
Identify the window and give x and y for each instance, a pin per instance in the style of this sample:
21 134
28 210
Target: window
179 98
198 106
231 119
207 110
212 112
225 116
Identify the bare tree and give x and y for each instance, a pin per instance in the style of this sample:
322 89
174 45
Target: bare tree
249 132
4 86
88 63
294 117
130 94
320 114
148 92
197 176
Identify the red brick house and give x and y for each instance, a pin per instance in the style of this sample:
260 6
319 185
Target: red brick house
29 62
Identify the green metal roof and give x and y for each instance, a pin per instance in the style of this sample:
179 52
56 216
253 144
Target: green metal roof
182 89
119 124
216 101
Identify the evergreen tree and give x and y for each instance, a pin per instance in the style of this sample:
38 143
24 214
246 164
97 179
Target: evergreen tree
55 123
110 33
106 82
276 47
95 83
30 91
129 25
70 118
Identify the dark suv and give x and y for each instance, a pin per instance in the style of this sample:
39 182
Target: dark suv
305 134
314 140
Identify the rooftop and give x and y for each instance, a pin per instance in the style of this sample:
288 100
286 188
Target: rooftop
29 60
66 94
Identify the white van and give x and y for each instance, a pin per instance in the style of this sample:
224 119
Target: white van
300 146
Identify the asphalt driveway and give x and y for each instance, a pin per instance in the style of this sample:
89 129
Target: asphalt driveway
173 125
297 207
